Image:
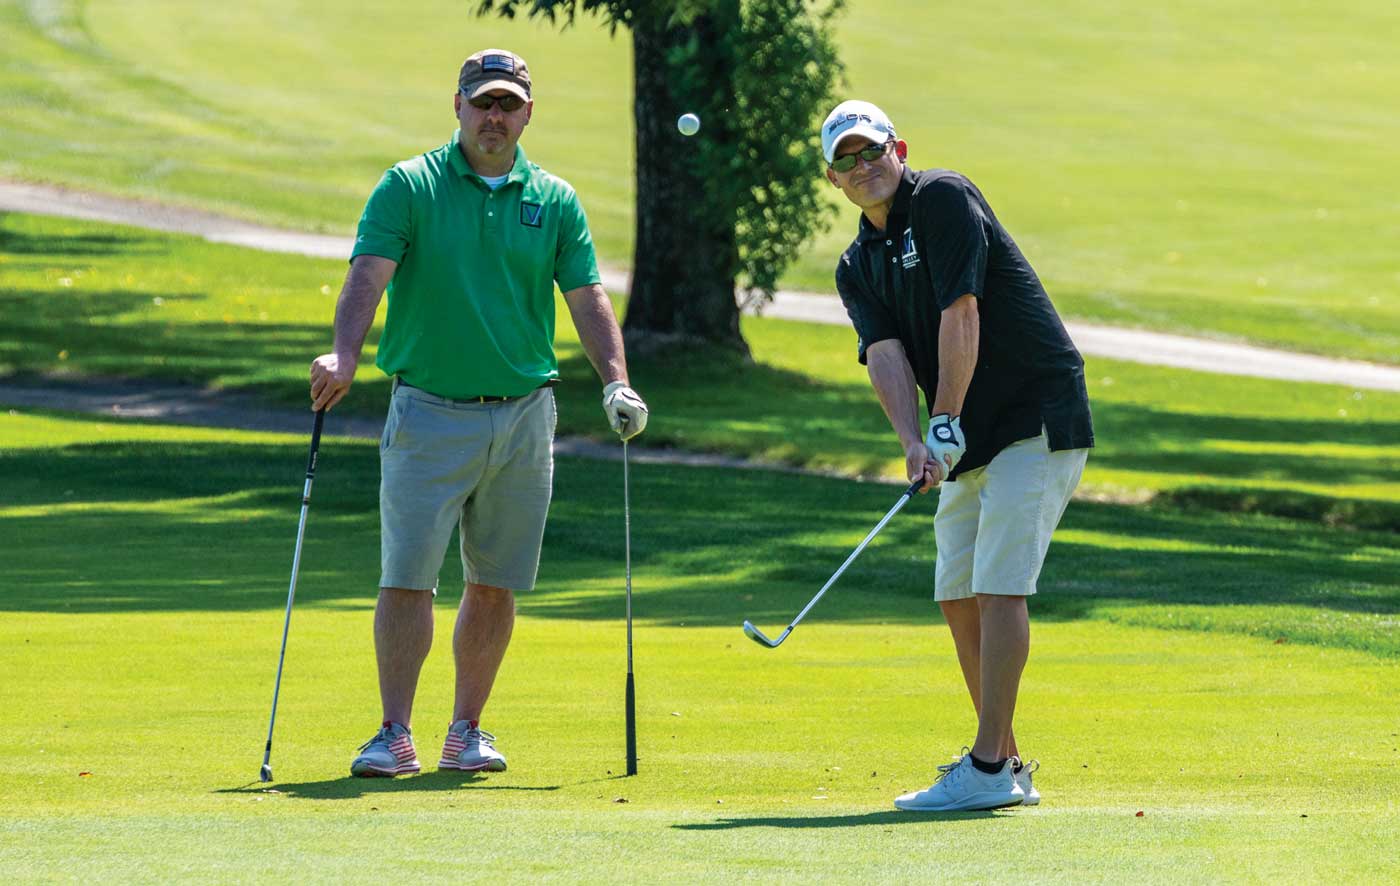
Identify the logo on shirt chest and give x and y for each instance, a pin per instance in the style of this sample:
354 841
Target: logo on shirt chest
909 254
531 214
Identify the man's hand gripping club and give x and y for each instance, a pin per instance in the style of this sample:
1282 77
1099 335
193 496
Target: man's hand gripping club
945 442
626 411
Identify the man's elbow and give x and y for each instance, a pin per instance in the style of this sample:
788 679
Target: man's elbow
964 306
885 349
590 294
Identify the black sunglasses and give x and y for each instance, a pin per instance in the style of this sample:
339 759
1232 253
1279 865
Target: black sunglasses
846 162
508 103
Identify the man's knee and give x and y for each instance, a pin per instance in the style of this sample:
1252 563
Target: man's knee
958 611
1001 606
405 597
489 594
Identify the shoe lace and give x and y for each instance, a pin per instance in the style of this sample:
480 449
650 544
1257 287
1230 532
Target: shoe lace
948 769
383 736
1029 766
480 736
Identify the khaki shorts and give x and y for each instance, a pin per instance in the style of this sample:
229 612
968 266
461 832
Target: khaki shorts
994 523
487 468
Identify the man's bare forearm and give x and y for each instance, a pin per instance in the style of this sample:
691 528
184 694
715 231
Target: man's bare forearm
893 380
359 299
598 332
958 340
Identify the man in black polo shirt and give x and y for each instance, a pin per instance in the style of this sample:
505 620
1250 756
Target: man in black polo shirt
943 301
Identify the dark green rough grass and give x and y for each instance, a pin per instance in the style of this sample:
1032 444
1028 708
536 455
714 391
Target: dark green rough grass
724 545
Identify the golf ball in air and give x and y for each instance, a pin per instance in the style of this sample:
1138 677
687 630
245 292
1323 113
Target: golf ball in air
688 124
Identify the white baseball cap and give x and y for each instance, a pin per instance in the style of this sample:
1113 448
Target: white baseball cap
854 118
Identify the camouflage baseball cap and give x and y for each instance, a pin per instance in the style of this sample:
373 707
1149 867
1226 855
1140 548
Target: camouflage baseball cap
494 69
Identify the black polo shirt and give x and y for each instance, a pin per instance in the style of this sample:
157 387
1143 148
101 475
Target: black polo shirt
942 242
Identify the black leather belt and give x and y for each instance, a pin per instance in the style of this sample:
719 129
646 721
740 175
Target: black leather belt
479 398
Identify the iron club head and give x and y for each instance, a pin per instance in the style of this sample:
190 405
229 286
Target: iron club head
757 636
266 773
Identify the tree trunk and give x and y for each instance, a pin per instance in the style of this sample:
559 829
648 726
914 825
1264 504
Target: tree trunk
686 256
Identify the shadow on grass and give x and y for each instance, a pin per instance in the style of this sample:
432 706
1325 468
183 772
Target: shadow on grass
110 333
838 821
72 245
351 787
183 526
692 396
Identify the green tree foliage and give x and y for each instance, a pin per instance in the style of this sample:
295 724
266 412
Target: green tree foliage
731 207
783 90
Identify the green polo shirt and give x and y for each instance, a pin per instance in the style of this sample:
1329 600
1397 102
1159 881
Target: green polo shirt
471 304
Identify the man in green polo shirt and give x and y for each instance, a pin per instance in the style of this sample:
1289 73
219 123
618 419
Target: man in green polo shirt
470 241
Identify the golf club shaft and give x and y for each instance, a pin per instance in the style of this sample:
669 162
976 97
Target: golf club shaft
296 565
631 695
903 500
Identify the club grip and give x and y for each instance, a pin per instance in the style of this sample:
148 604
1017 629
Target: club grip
315 443
631 727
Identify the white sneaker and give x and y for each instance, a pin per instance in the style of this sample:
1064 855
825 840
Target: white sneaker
1023 780
962 787
388 754
468 748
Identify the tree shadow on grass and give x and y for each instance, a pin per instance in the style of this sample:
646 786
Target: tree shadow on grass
839 821
133 526
703 399
141 526
112 333
73 245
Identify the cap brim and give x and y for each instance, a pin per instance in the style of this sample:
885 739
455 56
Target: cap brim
864 130
508 85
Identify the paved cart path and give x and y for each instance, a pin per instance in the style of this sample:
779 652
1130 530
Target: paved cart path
1134 345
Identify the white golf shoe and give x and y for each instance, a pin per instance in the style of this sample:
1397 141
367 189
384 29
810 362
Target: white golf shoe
961 787
388 754
1023 780
470 749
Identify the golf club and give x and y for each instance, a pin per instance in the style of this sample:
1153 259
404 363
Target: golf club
627 548
266 773
758 636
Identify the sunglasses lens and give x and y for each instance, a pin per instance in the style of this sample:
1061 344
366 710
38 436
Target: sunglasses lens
847 162
508 103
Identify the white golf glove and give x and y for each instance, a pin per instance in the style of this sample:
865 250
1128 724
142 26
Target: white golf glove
945 442
626 412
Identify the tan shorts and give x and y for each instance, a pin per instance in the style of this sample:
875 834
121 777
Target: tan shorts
487 468
994 523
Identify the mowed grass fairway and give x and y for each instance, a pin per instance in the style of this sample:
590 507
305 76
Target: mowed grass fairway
144 587
1219 170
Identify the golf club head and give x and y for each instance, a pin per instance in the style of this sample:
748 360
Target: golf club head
757 636
266 773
